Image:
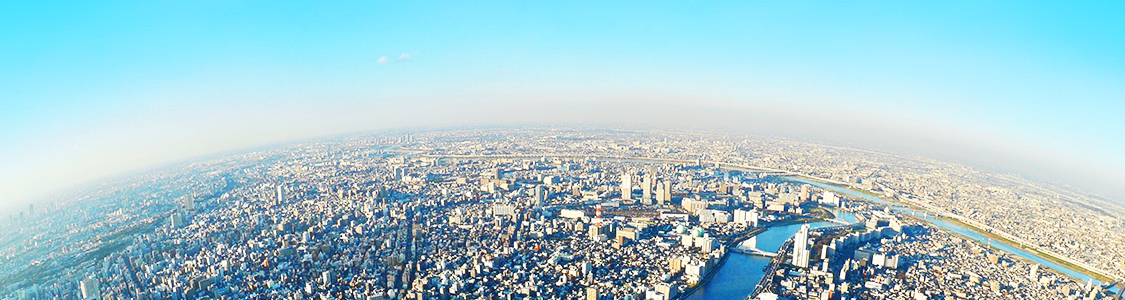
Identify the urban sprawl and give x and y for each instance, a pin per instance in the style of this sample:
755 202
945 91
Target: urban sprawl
556 213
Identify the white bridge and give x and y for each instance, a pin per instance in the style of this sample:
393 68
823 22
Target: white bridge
750 246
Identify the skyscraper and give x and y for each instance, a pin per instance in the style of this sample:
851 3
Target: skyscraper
540 197
626 186
646 189
399 173
646 185
280 194
663 193
801 247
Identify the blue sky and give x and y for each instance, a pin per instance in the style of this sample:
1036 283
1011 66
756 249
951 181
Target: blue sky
92 89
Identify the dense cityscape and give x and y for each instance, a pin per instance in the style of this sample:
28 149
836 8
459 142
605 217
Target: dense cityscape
556 213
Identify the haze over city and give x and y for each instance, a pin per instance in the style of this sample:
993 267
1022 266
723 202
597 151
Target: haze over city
756 150
93 89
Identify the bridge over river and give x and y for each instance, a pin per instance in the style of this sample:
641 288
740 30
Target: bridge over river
781 257
750 246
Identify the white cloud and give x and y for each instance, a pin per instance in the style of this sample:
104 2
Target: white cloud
404 56
384 59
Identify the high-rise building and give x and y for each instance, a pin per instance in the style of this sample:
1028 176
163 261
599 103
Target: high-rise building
189 203
90 289
706 244
400 173
540 197
597 231
646 185
669 290
746 217
675 265
646 189
177 219
663 193
829 198
801 247
694 205
280 194
626 186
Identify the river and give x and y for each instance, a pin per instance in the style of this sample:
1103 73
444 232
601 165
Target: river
741 272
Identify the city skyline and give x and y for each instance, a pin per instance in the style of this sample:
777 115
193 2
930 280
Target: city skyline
555 212
94 89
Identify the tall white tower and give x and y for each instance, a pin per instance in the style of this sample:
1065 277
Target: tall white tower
626 186
646 189
280 194
801 247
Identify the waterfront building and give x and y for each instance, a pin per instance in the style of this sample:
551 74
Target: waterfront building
829 198
746 217
669 290
801 247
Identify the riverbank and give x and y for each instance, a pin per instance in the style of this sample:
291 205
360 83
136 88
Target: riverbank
1032 250
815 181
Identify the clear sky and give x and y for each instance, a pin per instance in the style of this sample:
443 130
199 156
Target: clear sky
91 89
